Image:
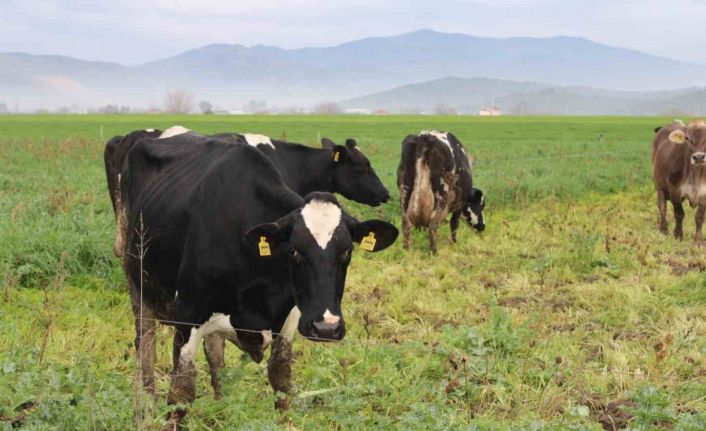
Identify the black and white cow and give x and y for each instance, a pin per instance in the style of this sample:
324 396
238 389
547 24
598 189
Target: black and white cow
434 179
233 251
333 168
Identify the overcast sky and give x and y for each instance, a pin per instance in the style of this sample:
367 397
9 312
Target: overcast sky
136 31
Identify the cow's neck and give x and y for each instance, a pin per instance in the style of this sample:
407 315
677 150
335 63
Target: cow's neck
307 169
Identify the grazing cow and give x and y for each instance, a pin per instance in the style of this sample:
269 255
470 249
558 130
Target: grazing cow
232 250
332 168
434 179
679 172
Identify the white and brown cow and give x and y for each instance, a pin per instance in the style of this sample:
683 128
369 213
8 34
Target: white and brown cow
679 172
434 179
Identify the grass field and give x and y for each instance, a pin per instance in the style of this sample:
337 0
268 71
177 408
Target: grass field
569 312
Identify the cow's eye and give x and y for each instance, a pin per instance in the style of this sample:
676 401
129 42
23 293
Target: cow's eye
345 256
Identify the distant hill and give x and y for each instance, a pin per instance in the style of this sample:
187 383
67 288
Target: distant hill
514 97
230 75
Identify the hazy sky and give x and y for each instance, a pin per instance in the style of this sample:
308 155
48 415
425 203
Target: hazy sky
135 31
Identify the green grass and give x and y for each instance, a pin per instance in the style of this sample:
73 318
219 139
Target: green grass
569 311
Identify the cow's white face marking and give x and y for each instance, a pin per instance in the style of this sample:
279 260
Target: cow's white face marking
443 137
149 130
174 131
322 219
330 318
219 323
474 218
290 325
254 140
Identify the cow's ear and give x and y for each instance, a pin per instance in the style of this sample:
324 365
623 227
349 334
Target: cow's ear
351 143
373 235
340 154
327 144
677 136
476 195
263 239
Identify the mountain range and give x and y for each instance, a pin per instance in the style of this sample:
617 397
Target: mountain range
231 75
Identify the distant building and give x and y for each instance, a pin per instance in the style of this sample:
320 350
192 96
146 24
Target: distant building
358 111
491 111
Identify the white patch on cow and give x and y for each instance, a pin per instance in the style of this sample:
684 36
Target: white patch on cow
695 193
330 318
176 295
266 338
219 323
291 324
321 218
474 218
173 131
254 140
442 136
679 121
421 202
149 130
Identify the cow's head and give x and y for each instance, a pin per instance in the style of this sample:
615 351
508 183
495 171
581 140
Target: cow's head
318 240
473 210
693 136
353 176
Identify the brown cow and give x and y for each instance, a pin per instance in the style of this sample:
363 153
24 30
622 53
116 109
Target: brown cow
679 172
434 179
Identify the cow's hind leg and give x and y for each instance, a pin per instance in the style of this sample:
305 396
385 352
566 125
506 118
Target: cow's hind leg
145 331
433 235
662 208
406 231
182 389
698 236
678 219
279 370
213 347
455 219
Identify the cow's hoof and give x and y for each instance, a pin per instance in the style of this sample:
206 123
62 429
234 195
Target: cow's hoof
282 404
699 240
174 420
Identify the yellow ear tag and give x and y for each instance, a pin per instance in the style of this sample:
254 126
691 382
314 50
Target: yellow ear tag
336 156
264 247
677 137
368 242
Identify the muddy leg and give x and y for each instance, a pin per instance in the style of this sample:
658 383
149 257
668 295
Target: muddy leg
662 208
406 231
279 370
213 347
698 236
182 389
455 218
432 237
145 329
679 218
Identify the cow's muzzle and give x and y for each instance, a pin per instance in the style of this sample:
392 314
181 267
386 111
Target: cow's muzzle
698 158
326 331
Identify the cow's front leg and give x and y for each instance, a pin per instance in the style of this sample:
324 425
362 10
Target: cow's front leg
662 208
698 236
279 371
679 219
455 219
213 347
